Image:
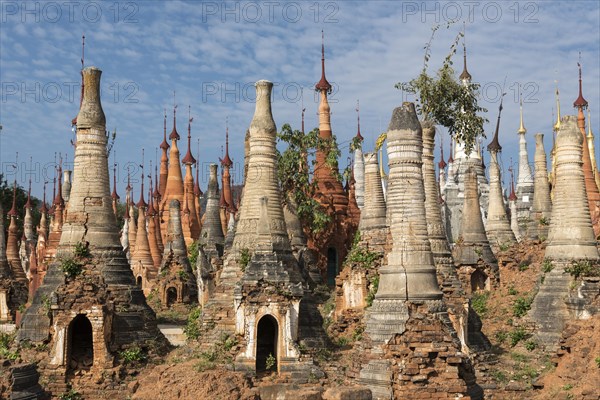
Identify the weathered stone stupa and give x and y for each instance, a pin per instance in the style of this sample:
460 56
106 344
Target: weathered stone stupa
497 225
570 236
541 209
211 236
447 278
593 193
477 265
525 180
97 307
12 242
13 292
142 263
373 227
408 299
268 290
176 282
358 168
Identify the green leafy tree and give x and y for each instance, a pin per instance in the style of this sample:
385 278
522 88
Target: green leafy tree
443 99
294 174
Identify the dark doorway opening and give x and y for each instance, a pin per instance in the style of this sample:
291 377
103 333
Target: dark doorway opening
478 281
171 296
81 344
266 344
139 281
332 268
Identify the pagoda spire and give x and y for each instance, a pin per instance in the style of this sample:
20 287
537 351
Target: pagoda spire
58 199
189 159
164 145
494 145
521 125
28 203
513 195
323 84
358 135
226 161
142 203
174 135
557 124
580 102
44 208
115 196
465 75
442 164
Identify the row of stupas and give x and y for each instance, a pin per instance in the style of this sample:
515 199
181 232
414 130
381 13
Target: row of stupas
256 267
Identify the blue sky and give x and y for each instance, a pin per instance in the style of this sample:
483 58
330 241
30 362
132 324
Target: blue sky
211 53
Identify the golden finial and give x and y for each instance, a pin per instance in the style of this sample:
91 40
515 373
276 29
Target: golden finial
521 127
557 124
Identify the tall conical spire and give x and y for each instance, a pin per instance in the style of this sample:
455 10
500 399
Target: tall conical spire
174 135
189 158
521 125
323 84
44 208
197 190
442 164
142 203
512 196
465 75
165 145
495 144
580 102
115 196
358 135
557 124
226 161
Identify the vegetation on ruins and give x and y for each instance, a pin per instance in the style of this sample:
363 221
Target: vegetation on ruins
295 177
245 257
132 355
479 302
70 267
443 99
193 251
192 329
583 268
360 255
373 286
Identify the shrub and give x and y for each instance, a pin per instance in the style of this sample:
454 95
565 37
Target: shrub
361 255
192 330
512 291
523 266
193 251
597 360
547 265
270 362
72 394
501 336
531 345
544 221
479 303
244 258
182 274
374 285
82 250
71 268
583 268
522 305
132 355
517 335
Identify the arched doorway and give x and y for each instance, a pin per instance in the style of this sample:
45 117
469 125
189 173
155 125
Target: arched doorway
81 345
332 268
171 296
478 281
138 281
266 344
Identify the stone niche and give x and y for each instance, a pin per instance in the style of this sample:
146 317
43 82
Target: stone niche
270 328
